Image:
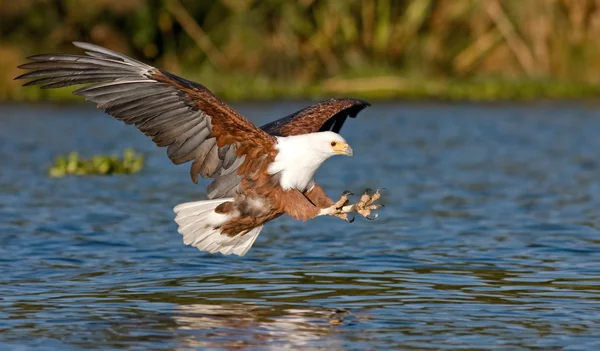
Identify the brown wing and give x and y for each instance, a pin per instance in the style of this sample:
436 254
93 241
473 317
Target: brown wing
325 115
177 113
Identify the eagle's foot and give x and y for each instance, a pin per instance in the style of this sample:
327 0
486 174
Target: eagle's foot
339 209
343 199
365 205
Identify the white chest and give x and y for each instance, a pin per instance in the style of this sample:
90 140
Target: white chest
296 165
296 177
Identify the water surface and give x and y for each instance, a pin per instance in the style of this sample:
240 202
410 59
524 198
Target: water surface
489 239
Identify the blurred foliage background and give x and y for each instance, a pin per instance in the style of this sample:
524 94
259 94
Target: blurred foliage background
261 49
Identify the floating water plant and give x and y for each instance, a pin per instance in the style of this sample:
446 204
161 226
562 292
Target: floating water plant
73 164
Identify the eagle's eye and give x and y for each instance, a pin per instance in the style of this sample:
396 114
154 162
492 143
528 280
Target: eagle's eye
333 143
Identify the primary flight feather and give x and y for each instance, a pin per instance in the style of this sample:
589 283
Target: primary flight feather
259 173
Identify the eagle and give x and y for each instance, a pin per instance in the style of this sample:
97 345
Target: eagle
258 174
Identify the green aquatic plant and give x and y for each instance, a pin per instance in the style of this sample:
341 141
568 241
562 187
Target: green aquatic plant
74 164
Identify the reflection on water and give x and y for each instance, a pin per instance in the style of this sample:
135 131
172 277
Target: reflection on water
489 240
241 326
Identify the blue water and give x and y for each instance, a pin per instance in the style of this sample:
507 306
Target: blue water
489 239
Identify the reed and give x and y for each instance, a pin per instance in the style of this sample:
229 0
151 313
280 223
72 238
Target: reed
273 48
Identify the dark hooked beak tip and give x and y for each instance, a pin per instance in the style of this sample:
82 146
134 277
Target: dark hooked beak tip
348 151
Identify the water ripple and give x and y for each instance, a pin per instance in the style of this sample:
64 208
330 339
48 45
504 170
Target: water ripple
489 240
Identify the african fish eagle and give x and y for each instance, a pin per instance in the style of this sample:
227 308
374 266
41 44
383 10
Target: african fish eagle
259 173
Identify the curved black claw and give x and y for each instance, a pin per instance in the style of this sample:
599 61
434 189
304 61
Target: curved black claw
350 220
347 193
372 217
368 190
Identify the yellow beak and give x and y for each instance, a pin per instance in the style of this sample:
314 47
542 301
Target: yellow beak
343 149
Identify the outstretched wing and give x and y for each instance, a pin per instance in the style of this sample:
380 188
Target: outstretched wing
177 113
325 115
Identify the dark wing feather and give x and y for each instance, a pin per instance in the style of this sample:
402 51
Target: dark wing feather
325 115
175 112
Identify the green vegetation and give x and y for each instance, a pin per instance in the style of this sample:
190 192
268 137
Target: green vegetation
73 164
266 49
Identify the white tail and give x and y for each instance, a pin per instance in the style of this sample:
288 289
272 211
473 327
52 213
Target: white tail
197 221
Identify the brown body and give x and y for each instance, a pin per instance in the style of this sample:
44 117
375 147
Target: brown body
263 203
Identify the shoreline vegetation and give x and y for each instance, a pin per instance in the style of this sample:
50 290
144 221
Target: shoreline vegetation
311 49
75 165
372 89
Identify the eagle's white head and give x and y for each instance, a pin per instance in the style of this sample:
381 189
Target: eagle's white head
326 144
299 157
